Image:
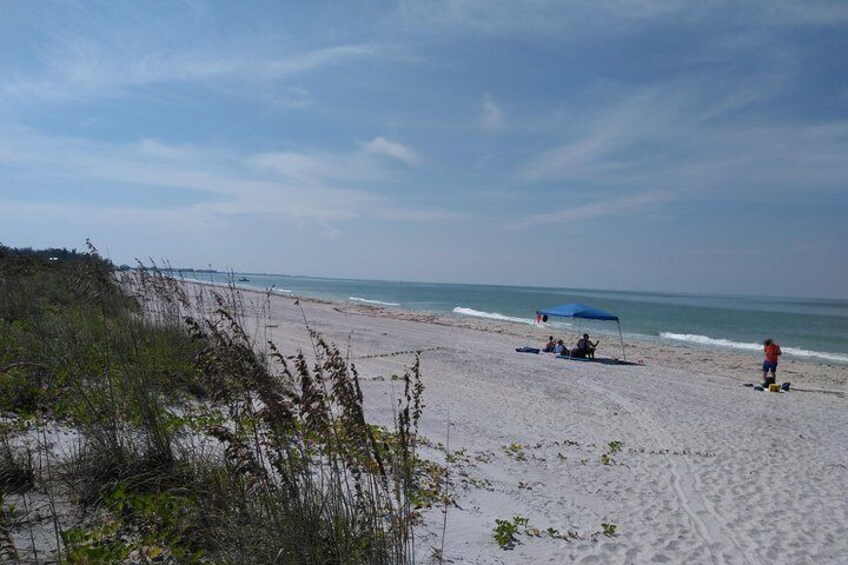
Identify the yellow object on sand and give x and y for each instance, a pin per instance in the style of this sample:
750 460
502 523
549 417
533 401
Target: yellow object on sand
774 388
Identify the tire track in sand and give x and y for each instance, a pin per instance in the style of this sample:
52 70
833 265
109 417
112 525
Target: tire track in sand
707 522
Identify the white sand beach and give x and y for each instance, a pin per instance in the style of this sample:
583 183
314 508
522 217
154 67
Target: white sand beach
707 470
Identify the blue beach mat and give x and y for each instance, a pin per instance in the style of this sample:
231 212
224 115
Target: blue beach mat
528 350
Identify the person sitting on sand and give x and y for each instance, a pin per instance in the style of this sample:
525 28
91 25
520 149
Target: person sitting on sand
772 352
586 348
549 347
560 348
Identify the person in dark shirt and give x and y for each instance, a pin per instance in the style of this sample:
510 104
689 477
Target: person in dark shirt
586 348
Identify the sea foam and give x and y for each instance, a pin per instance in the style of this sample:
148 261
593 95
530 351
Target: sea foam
798 352
490 315
367 301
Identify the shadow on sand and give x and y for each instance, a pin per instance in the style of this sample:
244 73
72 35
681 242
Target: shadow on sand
599 360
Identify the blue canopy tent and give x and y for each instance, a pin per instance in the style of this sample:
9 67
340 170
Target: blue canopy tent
582 311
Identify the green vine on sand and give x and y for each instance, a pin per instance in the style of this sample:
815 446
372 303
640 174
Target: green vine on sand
506 532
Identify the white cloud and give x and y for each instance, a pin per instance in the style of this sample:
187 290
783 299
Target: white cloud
231 181
295 165
319 187
493 115
393 149
420 215
302 62
685 136
568 20
614 206
534 16
565 160
318 168
156 148
590 139
186 220
79 68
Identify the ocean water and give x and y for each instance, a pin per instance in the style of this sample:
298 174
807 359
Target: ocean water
814 329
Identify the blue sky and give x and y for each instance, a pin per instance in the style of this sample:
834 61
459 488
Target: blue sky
650 145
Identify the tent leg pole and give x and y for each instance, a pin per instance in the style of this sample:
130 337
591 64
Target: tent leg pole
571 348
530 333
578 329
623 353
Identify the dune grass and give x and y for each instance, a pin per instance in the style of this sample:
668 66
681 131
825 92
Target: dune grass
200 442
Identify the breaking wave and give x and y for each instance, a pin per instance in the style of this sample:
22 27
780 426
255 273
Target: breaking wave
490 315
797 352
367 301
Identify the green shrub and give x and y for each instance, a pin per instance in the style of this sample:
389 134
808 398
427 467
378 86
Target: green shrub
152 378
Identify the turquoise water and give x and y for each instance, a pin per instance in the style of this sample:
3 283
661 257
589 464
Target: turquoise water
816 329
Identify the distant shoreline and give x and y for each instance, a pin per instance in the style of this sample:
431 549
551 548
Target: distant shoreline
696 342
743 366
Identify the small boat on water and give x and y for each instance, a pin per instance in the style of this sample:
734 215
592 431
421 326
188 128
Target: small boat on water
244 279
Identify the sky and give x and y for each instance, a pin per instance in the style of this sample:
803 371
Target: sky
656 145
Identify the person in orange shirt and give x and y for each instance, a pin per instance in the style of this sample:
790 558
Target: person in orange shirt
772 352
